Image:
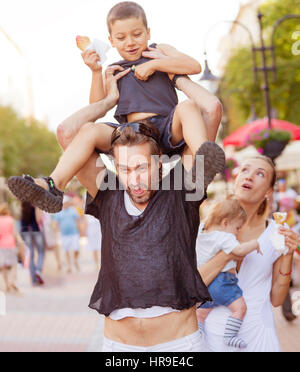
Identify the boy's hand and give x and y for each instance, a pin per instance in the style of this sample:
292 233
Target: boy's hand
111 81
144 71
90 58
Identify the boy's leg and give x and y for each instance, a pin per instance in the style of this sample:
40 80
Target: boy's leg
89 137
209 105
234 323
188 124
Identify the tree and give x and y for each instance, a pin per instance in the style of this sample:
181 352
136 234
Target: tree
25 148
238 89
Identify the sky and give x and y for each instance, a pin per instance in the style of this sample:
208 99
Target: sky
45 33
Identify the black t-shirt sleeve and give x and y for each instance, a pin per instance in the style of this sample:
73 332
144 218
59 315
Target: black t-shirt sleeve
92 206
109 184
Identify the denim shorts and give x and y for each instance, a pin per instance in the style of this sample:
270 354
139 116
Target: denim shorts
163 124
224 290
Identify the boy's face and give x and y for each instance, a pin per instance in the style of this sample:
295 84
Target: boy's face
130 37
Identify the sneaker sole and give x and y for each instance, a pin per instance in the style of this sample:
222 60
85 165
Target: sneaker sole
27 191
214 161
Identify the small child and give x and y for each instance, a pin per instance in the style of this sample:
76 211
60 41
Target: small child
220 231
147 92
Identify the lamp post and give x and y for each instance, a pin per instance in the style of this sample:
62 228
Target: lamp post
208 76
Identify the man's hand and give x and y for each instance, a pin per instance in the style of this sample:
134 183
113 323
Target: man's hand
90 58
111 79
144 71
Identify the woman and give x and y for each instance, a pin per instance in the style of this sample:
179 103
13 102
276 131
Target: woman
9 237
265 280
33 238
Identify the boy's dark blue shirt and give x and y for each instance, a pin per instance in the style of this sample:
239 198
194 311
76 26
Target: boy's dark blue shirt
156 95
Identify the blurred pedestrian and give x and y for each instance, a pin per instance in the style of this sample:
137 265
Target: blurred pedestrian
94 236
9 241
51 237
34 240
67 222
286 200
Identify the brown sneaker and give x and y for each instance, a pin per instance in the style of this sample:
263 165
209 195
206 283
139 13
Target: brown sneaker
26 190
214 162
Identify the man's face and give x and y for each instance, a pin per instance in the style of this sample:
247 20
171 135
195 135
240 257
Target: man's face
137 172
130 37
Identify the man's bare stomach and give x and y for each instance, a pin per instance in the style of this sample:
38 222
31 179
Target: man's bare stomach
154 331
136 116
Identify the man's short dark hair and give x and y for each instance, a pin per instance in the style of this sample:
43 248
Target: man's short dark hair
125 10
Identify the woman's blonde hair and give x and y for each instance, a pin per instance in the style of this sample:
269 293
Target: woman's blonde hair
229 208
4 209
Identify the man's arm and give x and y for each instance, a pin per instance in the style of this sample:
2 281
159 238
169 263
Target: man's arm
209 105
68 129
92 174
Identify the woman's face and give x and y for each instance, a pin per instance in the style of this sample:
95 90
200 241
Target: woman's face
253 183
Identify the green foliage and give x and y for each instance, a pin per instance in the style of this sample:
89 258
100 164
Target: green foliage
28 148
238 87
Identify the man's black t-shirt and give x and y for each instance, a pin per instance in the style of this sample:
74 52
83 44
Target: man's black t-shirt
148 260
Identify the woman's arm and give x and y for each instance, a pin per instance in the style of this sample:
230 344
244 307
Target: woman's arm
282 269
212 269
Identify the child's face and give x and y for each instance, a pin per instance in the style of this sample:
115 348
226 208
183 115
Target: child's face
232 227
130 37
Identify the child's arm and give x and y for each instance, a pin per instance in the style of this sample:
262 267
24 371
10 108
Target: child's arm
167 59
97 92
246 248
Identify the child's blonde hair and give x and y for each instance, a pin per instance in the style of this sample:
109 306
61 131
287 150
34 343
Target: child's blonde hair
229 208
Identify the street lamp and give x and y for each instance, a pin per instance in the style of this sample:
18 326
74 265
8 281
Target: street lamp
208 77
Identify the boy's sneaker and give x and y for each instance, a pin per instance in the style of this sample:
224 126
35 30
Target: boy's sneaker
214 162
26 190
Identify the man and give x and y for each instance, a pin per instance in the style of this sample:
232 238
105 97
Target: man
148 285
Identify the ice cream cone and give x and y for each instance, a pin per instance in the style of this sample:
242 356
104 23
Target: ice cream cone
82 42
280 218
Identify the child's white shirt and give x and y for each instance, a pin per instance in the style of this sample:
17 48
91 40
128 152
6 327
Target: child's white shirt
208 245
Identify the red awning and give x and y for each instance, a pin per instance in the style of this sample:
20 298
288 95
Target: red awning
240 136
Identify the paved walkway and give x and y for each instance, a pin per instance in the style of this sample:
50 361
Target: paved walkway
56 318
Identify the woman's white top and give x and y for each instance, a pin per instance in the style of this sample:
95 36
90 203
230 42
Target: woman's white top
255 279
152 312
209 244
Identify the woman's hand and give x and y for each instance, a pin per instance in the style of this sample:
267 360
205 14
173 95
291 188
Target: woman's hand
90 58
291 239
